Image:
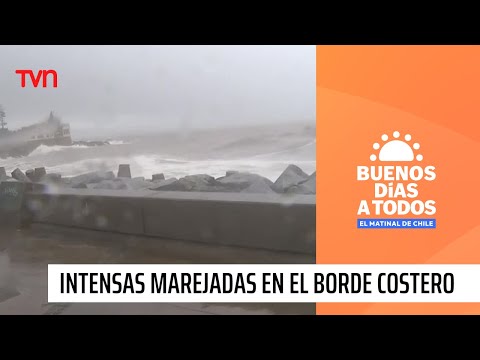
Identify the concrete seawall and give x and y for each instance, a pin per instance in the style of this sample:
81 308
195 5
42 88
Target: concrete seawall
261 221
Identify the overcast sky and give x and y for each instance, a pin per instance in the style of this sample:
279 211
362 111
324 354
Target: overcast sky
110 89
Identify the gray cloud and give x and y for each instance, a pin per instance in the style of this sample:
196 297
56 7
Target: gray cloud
112 89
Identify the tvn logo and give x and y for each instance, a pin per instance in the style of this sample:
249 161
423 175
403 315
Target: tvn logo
43 75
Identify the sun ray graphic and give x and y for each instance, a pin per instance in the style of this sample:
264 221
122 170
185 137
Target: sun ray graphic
396 149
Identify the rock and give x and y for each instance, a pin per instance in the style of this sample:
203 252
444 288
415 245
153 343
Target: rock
200 182
235 182
124 171
40 173
122 183
308 186
136 183
259 187
30 174
108 185
156 177
178 185
51 178
158 184
231 172
17 174
241 181
90 178
291 176
3 174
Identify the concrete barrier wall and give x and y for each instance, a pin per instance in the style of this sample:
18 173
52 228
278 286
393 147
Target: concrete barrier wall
88 209
273 222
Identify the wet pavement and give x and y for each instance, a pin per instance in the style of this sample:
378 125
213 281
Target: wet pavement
25 254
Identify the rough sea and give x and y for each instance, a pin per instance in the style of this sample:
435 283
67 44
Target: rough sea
265 150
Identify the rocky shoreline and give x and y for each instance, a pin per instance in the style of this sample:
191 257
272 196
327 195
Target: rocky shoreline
293 180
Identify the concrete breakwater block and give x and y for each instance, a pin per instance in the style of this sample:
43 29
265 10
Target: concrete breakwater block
160 184
40 172
81 181
258 188
30 173
293 180
51 178
3 173
18 174
156 177
305 187
237 182
199 182
124 171
242 181
291 176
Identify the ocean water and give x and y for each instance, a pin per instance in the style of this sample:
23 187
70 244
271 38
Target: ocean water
265 150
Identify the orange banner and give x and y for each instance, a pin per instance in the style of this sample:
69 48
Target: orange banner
392 109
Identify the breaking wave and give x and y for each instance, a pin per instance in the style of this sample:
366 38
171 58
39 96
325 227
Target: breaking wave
44 149
266 152
117 142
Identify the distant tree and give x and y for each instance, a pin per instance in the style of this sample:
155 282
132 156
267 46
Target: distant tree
3 123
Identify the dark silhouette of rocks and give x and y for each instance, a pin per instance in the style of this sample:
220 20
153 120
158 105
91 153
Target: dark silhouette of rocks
292 181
